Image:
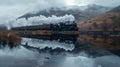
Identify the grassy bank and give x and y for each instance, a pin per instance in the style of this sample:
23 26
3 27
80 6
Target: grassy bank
10 39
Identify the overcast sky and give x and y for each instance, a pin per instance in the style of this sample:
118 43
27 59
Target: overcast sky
54 2
10 9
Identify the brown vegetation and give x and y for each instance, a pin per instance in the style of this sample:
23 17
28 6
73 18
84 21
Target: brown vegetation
105 22
9 38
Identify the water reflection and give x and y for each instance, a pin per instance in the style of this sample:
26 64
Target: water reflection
60 47
23 57
47 43
11 46
57 37
83 52
110 43
9 40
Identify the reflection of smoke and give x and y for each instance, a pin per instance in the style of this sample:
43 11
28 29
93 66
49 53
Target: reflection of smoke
27 58
42 20
16 52
24 57
86 61
50 44
79 61
108 61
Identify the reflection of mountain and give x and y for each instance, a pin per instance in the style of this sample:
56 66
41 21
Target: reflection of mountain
105 42
108 21
80 12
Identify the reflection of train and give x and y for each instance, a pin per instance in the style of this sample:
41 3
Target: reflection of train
67 26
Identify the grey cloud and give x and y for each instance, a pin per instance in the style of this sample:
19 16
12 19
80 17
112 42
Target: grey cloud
60 2
11 9
14 2
27 2
100 2
108 2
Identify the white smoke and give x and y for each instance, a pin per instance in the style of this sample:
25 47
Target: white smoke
38 20
11 9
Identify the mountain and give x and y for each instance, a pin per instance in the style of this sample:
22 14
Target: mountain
117 9
98 8
79 12
108 21
2 27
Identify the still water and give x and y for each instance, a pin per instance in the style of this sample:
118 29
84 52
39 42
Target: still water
85 52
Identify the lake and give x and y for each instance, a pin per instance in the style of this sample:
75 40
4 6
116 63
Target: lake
85 51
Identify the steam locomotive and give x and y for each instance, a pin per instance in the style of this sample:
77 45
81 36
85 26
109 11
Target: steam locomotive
61 26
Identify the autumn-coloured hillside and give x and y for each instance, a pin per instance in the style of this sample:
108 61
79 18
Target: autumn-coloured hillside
109 21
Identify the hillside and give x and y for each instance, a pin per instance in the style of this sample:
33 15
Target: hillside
108 21
117 9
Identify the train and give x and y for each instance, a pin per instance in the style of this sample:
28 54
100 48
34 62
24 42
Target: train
61 26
